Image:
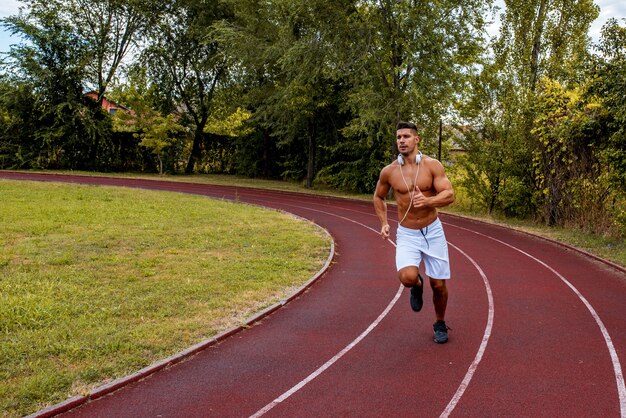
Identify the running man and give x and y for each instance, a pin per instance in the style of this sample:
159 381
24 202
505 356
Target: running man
420 186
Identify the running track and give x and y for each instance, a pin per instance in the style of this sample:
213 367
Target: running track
538 330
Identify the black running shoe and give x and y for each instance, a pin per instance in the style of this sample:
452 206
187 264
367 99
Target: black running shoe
441 332
416 295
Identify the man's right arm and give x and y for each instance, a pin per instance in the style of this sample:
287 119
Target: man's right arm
380 206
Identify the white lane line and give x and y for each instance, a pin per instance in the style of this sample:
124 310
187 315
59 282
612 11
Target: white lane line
340 354
330 362
617 368
325 366
483 345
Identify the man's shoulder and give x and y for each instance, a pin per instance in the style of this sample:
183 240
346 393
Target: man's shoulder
389 168
393 164
430 161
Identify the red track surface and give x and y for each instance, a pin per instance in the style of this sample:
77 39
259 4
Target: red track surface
538 329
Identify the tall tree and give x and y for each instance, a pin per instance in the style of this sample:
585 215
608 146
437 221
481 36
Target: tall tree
413 57
545 38
414 53
538 39
288 52
186 64
159 134
382 60
70 131
609 85
487 133
249 41
108 29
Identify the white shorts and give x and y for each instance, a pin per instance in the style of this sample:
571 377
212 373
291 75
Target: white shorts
429 244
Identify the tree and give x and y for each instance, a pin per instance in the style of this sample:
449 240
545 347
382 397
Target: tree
186 65
414 56
158 133
107 30
18 124
70 131
545 38
554 156
487 132
538 38
353 69
287 52
609 84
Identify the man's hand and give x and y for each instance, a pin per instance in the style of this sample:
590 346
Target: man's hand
419 200
384 231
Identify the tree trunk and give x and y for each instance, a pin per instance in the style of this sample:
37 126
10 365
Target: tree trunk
538 31
195 151
310 172
266 156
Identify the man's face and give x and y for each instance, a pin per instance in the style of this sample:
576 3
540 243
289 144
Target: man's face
407 140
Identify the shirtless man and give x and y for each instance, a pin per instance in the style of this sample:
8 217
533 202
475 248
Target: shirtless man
420 186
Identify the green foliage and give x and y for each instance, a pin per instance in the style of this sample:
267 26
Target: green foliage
540 137
161 135
554 157
544 38
495 162
608 85
329 76
310 90
107 30
186 65
64 128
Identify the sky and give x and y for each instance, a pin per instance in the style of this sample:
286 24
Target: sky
608 9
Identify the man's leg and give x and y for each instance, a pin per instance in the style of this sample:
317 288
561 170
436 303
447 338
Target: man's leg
440 297
410 277
440 300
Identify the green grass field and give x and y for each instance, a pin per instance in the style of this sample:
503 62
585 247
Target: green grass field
98 282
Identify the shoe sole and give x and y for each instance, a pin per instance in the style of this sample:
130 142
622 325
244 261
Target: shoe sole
440 342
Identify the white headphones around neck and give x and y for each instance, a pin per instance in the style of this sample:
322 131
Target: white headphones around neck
418 158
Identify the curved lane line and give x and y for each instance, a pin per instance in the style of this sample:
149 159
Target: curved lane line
617 369
483 345
330 362
340 354
468 376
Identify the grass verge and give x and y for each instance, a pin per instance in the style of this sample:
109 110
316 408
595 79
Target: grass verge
98 282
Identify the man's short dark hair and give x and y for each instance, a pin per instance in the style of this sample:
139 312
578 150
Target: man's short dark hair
406 125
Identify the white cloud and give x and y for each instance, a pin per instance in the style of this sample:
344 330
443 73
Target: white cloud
608 9
9 7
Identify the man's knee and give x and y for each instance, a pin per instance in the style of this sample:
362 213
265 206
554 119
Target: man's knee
438 286
408 276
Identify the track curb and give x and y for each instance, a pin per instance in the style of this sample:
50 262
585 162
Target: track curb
108 388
